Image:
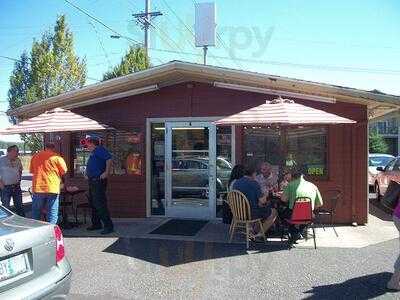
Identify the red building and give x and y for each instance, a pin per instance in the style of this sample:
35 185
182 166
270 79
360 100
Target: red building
171 160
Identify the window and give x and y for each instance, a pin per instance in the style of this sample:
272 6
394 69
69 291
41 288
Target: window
263 144
81 154
289 147
157 168
307 148
396 166
124 146
390 165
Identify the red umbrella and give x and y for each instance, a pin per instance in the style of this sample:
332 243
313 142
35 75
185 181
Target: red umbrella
56 120
283 112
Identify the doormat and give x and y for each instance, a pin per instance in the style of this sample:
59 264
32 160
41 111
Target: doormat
180 227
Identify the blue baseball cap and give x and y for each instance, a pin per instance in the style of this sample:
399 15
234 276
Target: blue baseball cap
93 136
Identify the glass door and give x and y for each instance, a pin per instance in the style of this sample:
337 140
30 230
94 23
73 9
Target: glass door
190 170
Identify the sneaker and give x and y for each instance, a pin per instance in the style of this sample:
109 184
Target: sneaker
107 231
92 228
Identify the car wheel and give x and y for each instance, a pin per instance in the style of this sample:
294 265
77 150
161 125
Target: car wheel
378 192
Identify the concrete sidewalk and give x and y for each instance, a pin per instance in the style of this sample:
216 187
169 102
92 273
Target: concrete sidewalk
379 229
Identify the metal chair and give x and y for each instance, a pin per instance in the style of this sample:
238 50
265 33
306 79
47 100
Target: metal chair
302 214
241 216
333 197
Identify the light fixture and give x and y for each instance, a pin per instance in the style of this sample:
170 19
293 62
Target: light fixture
133 92
273 92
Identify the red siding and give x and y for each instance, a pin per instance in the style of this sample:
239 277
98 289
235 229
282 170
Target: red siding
347 143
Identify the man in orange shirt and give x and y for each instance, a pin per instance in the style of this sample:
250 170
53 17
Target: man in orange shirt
47 168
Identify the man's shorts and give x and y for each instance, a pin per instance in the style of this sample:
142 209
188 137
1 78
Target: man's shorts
261 212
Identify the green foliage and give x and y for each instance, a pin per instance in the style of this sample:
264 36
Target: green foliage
377 143
134 60
5 145
51 69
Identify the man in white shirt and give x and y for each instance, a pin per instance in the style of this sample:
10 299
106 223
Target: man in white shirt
10 180
267 179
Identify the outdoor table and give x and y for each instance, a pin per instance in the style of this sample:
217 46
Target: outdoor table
67 200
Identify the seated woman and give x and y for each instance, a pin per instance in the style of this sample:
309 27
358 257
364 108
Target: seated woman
237 173
259 205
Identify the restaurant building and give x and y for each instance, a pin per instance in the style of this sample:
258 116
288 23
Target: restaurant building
170 159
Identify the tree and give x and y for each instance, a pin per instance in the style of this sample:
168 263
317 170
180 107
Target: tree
134 60
377 143
51 69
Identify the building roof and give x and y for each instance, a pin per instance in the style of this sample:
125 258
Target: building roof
177 72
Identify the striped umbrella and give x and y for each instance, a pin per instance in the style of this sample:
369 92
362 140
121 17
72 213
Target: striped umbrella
56 120
283 112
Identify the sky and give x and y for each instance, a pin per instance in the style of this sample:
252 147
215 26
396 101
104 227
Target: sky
348 43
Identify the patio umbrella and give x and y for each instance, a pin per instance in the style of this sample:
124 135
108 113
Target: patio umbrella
283 112
56 120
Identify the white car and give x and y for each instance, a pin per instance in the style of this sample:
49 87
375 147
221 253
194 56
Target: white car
376 160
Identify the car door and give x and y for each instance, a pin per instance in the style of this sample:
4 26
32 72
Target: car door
391 171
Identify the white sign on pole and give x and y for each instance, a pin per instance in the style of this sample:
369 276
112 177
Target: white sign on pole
205 24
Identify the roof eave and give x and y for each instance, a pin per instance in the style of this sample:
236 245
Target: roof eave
192 71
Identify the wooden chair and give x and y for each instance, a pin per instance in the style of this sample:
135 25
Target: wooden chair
241 216
333 197
302 214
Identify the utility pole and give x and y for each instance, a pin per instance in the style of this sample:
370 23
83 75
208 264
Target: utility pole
144 19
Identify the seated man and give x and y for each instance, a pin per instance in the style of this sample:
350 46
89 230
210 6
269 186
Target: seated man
299 187
258 201
267 180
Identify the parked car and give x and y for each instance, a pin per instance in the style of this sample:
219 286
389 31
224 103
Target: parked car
190 177
190 172
385 174
376 160
32 259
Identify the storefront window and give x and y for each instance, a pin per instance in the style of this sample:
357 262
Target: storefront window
307 148
126 149
288 147
224 163
263 144
157 169
124 146
81 154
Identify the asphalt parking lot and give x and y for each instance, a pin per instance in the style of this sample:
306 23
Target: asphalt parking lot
123 268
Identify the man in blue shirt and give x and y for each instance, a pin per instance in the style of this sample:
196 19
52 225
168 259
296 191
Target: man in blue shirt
260 208
98 169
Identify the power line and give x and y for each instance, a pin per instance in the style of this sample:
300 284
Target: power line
101 44
279 63
10 58
187 28
148 22
101 22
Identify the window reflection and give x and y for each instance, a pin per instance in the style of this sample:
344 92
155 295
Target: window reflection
157 168
302 147
223 163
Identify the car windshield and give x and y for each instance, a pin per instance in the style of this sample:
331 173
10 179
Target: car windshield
379 161
3 213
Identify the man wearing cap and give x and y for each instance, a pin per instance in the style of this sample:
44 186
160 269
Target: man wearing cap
48 169
97 170
10 180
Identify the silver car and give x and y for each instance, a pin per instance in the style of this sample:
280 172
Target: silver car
32 259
